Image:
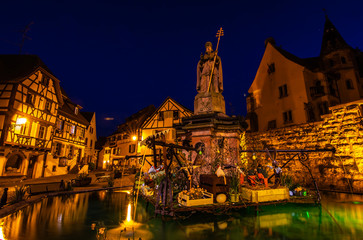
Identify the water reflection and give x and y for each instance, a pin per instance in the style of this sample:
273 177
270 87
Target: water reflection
109 214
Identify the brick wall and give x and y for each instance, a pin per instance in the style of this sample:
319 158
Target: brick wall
342 129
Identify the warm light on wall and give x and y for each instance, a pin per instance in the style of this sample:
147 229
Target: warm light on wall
128 218
21 121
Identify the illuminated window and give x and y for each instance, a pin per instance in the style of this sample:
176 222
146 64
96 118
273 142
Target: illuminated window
287 117
76 110
72 130
283 91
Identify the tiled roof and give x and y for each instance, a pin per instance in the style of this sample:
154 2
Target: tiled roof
16 67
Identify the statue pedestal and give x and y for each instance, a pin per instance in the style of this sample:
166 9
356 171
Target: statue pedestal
211 102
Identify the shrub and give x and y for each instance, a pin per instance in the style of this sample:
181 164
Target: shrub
20 194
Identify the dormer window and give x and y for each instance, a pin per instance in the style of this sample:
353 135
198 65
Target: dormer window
344 61
76 110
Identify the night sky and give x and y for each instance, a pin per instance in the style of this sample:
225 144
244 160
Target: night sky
117 57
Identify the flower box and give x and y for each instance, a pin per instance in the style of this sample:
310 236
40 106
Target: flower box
184 200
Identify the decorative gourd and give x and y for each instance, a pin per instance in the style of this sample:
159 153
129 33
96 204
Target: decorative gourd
221 198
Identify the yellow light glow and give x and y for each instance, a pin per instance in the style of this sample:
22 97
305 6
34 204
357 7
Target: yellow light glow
128 218
21 121
134 138
2 231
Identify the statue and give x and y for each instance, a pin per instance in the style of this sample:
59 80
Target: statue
209 63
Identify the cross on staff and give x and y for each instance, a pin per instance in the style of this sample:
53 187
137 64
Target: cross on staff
220 33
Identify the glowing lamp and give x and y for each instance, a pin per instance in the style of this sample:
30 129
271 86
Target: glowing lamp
134 138
21 121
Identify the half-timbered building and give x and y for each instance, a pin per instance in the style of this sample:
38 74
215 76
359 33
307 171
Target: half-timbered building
169 114
90 154
68 146
30 96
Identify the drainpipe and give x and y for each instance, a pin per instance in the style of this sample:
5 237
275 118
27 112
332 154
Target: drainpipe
44 163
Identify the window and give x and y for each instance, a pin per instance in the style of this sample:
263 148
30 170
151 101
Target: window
76 110
41 133
58 149
90 129
81 132
131 148
161 116
344 61
114 151
287 117
30 98
72 130
271 125
323 108
271 68
283 91
125 136
59 124
119 137
90 144
175 115
331 62
349 84
54 169
45 80
48 106
86 141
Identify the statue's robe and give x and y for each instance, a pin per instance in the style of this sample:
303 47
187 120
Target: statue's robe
204 69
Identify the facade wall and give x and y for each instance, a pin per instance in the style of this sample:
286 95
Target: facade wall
270 105
91 136
342 129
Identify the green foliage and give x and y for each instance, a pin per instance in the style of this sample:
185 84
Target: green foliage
91 166
286 180
20 194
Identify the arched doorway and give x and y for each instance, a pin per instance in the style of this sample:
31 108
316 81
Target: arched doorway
13 164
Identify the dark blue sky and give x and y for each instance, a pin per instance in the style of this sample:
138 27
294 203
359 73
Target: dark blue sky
116 57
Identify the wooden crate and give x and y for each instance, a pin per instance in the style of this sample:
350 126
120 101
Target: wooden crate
185 201
265 195
214 184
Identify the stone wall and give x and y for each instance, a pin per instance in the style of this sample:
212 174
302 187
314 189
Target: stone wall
342 129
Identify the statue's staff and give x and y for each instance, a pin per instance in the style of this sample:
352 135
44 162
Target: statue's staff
220 33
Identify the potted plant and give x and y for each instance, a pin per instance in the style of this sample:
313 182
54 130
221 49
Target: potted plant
82 179
233 187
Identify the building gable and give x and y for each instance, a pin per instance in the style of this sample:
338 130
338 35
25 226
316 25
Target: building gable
170 112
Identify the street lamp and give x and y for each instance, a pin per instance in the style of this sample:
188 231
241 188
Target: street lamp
134 138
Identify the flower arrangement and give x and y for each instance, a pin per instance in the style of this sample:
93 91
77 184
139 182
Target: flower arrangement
194 193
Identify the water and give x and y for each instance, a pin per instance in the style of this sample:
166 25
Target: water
71 217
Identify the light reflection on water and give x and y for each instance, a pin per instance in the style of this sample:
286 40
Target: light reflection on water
71 217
